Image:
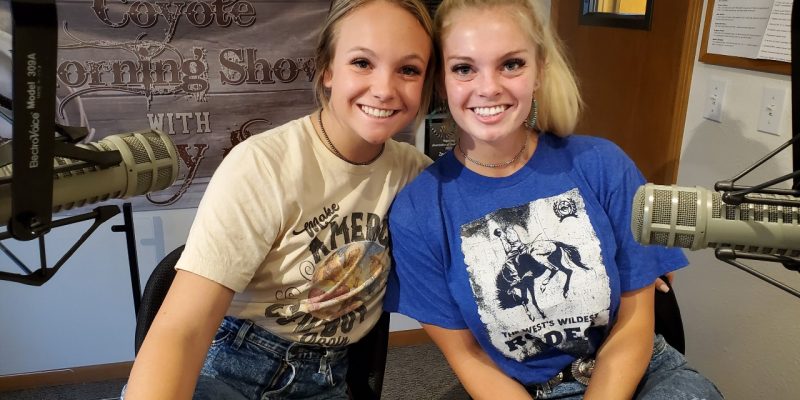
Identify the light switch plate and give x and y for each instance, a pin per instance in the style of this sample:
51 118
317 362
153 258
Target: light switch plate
715 97
771 113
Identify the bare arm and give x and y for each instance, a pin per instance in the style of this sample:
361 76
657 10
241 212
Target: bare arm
172 354
477 372
625 354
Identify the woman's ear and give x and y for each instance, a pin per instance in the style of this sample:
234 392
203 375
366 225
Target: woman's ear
327 77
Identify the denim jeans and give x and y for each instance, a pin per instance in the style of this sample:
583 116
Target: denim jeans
668 377
247 362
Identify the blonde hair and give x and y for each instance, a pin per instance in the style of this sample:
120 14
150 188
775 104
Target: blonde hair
558 97
326 46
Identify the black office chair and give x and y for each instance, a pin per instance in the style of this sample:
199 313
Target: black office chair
155 290
367 357
668 318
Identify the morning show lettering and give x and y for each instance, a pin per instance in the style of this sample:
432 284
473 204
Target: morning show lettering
190 75
185 122
183 74
243 66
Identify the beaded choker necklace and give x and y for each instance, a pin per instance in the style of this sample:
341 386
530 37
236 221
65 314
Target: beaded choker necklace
495 165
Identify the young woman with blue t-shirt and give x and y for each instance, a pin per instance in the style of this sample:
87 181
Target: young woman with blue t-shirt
514 250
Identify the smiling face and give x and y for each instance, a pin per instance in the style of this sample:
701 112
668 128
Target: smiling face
490 72
377 73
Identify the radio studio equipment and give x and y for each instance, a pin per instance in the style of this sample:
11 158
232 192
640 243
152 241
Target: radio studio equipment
43 168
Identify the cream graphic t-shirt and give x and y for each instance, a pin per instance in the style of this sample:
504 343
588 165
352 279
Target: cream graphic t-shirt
300 234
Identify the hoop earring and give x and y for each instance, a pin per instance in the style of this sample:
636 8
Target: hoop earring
530 122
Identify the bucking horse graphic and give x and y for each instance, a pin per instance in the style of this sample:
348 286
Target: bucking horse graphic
527 261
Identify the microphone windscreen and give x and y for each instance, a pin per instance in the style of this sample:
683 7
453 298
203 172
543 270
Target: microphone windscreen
696 218
668 215
149 163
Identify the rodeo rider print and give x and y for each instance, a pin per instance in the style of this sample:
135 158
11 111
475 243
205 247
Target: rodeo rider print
537 275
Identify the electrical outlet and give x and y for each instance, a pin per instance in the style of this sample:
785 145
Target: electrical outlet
715 96
771 112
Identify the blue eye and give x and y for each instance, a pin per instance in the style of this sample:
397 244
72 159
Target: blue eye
461 69
360 63
513 64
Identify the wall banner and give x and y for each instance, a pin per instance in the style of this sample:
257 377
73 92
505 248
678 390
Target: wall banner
209 73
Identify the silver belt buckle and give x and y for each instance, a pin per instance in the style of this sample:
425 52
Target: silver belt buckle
582 370
554 381
545 388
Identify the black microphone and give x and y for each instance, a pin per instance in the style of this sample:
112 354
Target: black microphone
149 163
696 218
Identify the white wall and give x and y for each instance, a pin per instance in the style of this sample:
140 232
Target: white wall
741 332
84 315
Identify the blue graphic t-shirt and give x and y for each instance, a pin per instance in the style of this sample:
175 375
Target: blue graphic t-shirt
533 264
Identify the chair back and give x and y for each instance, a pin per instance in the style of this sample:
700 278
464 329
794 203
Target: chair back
668 318
367 359
154 292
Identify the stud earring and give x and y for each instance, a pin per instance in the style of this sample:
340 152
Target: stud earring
530 122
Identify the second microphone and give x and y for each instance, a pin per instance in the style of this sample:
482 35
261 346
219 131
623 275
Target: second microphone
696 218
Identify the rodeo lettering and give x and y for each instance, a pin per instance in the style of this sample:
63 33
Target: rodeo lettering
531 329
552 338
145 14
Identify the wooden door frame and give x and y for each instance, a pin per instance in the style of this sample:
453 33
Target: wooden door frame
681 88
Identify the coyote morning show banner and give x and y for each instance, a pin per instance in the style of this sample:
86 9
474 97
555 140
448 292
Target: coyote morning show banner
209 73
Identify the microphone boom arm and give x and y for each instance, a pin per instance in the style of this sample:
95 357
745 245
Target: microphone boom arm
735 194
40 276
729 256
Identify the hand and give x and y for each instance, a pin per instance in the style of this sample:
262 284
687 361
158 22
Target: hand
662 286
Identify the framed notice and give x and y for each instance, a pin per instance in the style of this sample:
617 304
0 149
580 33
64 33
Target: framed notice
437 138
748 34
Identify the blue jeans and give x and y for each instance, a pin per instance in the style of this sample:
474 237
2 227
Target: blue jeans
247 362
668 377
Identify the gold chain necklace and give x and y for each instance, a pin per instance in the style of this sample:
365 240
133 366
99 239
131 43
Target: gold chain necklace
495 165
336 151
